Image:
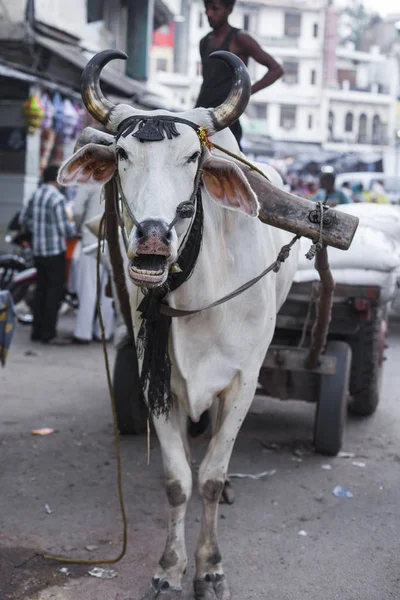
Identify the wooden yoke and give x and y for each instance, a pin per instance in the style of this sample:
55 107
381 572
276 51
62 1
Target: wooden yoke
298 215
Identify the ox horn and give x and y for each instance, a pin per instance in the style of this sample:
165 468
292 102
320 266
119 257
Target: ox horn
229 111
97 105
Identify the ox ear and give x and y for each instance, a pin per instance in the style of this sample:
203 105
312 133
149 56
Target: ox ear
94 164
227 185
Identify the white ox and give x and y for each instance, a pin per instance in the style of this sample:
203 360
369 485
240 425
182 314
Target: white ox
216 354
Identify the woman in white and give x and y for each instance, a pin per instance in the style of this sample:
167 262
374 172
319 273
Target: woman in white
86 207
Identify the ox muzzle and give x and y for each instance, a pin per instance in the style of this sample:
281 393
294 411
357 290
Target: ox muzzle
150 252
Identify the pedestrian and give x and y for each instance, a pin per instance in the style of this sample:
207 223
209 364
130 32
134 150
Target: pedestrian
87 327
347 191
217 77
45 216
377 193
358 192
327 192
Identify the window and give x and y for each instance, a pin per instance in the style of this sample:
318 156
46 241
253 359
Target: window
291 72
246 22
161 64
376 130
315 30
256 110
288 116
313 77
348 122
292 24
331 125
362 129
346 75
310 121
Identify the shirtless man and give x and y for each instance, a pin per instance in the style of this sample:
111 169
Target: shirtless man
217 77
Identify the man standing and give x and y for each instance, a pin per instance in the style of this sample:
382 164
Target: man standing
45 216
327 192
86 207
217 77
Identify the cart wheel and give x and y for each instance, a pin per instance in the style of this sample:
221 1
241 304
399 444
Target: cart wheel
368 347
332 404
132 412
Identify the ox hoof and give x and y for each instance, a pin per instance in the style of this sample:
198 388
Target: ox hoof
211 587
161 589
228 494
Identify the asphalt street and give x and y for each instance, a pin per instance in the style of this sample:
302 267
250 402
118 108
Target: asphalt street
287 537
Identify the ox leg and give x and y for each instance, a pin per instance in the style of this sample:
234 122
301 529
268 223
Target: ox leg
166 583
228 494
210 582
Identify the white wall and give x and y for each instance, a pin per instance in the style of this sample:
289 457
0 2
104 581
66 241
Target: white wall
68 15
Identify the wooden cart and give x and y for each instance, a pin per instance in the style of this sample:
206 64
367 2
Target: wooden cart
348 374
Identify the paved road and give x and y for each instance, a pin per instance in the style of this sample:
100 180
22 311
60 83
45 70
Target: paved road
351 550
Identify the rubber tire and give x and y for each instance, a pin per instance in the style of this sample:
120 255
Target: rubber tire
367 365
331 409
132 412
19 291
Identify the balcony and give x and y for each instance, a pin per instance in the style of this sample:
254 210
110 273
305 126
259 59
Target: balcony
282 42
371 88
382 140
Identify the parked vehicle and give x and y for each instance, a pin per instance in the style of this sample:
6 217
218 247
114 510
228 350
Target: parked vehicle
391 183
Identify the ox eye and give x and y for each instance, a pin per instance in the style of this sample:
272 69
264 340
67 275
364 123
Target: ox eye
121 153
194 157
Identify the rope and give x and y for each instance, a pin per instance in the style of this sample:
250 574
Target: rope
275 266
308 317
109 561
317 246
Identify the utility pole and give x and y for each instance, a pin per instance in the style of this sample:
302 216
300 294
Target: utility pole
181 38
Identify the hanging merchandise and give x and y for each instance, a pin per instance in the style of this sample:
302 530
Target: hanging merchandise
58 104
33 113
71 118
47 121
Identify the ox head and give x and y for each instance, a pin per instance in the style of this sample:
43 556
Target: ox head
156 176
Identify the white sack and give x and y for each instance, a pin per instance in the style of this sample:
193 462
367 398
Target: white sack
371 249
385 217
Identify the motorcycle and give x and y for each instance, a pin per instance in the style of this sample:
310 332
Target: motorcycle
18 273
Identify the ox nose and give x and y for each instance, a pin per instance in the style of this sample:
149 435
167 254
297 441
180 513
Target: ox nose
154 237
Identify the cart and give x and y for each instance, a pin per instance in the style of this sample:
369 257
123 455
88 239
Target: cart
347 375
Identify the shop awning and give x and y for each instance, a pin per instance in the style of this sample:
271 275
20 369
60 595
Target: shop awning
12 72
133 90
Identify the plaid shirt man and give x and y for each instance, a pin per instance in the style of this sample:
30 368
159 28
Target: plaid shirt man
46 217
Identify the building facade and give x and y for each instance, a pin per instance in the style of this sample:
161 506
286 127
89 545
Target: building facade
331 97
44 45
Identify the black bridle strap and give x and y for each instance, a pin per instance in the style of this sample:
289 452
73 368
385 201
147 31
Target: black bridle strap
128 125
